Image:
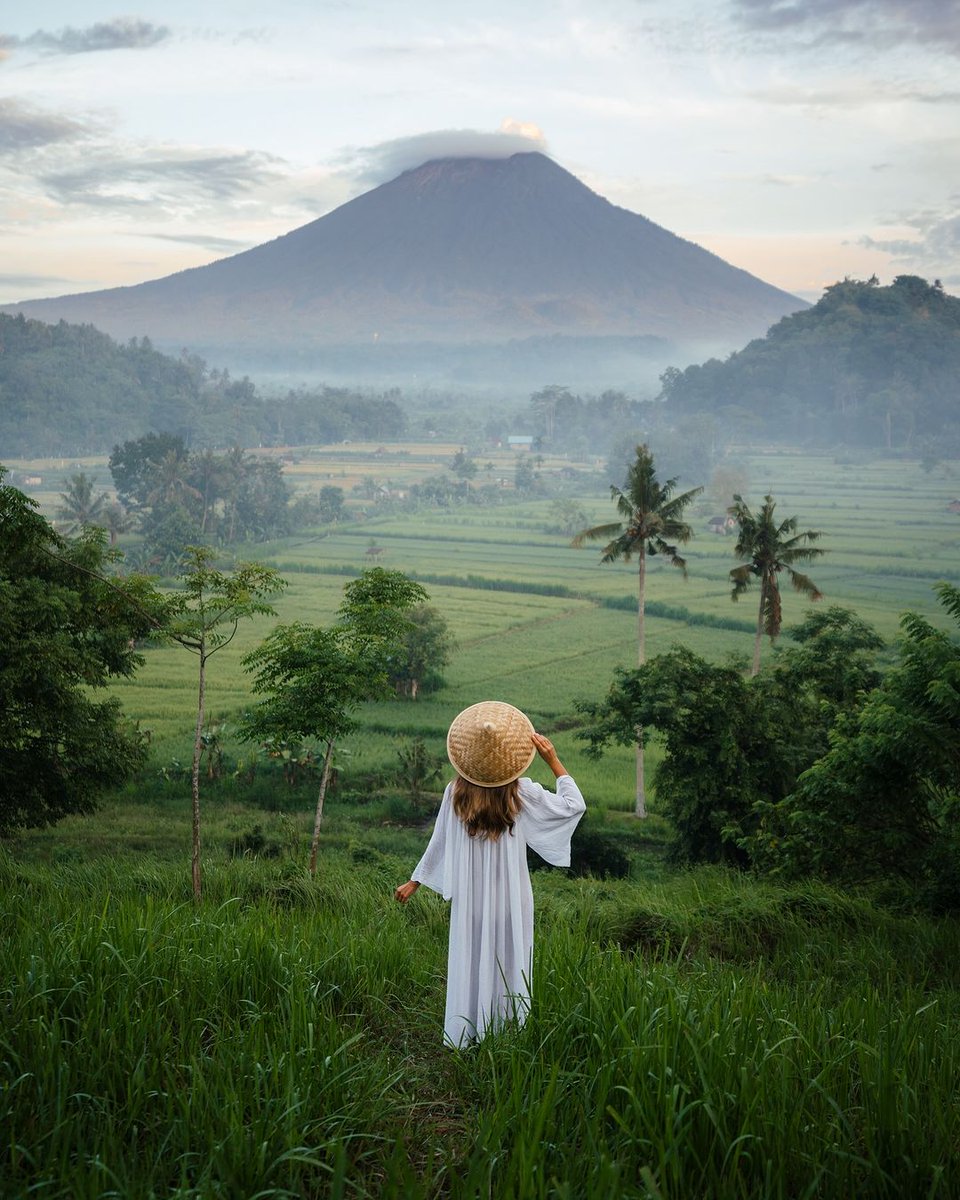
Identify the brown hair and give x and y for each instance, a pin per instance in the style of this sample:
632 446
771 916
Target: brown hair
486 811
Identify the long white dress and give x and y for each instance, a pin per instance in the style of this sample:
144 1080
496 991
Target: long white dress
491 917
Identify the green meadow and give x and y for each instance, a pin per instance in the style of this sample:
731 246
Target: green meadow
693 1034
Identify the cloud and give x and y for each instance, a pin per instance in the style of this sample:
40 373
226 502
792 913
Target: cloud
379 163
30 281
934 247
23 127
206 241
880 24
122 33
175 179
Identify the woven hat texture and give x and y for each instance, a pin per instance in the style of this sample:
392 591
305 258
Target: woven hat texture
490 743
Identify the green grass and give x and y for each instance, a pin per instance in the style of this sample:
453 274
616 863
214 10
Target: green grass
698 1037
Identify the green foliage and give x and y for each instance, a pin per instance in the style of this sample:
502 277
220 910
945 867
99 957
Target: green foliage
735 746
185 499
867 366
425 650
79 507
418 768
884 801
313 679
70 389
768 552
377 605
651 516
65 631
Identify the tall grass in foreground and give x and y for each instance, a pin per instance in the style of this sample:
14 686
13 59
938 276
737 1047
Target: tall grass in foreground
705 1037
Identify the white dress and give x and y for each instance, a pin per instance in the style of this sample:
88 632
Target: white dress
491 917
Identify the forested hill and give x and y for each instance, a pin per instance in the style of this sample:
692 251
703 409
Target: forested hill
866 366
72 390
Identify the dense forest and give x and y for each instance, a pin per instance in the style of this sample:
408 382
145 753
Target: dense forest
72 390
866 366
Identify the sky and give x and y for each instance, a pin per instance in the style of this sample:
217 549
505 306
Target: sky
803 140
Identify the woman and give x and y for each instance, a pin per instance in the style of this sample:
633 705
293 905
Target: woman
477 858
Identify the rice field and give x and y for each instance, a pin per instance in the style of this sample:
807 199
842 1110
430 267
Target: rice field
888 533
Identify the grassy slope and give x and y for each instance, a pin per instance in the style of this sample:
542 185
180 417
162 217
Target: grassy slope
704 1036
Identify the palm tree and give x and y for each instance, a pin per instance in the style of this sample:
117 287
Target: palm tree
80 507
768 550
115 520
652 521
169 482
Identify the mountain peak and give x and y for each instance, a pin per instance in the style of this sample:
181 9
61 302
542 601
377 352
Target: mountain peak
456 250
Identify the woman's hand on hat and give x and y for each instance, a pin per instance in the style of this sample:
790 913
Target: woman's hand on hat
405 891
549 755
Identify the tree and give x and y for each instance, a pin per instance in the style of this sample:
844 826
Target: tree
79 508
769 551
65 631
423 652
883 803
207 613
462 466
720 739
735 746
652 520
330 504
565 517
115 520
314 679
133 465
525 479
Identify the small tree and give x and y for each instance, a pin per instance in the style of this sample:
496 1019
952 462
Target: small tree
313 680
768 551
423 652
208 611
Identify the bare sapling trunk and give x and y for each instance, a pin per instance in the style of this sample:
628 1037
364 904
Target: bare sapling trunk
195 779
640 808
318 817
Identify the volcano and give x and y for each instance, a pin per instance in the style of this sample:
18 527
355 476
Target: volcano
457 252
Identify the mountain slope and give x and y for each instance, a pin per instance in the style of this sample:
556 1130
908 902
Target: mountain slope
866 366
455 251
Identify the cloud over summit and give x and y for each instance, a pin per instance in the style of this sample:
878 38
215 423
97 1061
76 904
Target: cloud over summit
387 160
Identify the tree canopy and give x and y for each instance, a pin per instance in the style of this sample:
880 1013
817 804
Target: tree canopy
65 631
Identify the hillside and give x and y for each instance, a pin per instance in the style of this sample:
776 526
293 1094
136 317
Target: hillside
867 366
72 390
457 252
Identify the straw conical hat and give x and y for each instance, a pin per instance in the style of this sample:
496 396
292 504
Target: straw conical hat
491 743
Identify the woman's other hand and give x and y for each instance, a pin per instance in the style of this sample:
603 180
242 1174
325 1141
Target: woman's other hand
405 891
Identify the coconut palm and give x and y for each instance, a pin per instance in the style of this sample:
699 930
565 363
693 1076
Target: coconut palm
80 508
115 520
769 549
652 522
